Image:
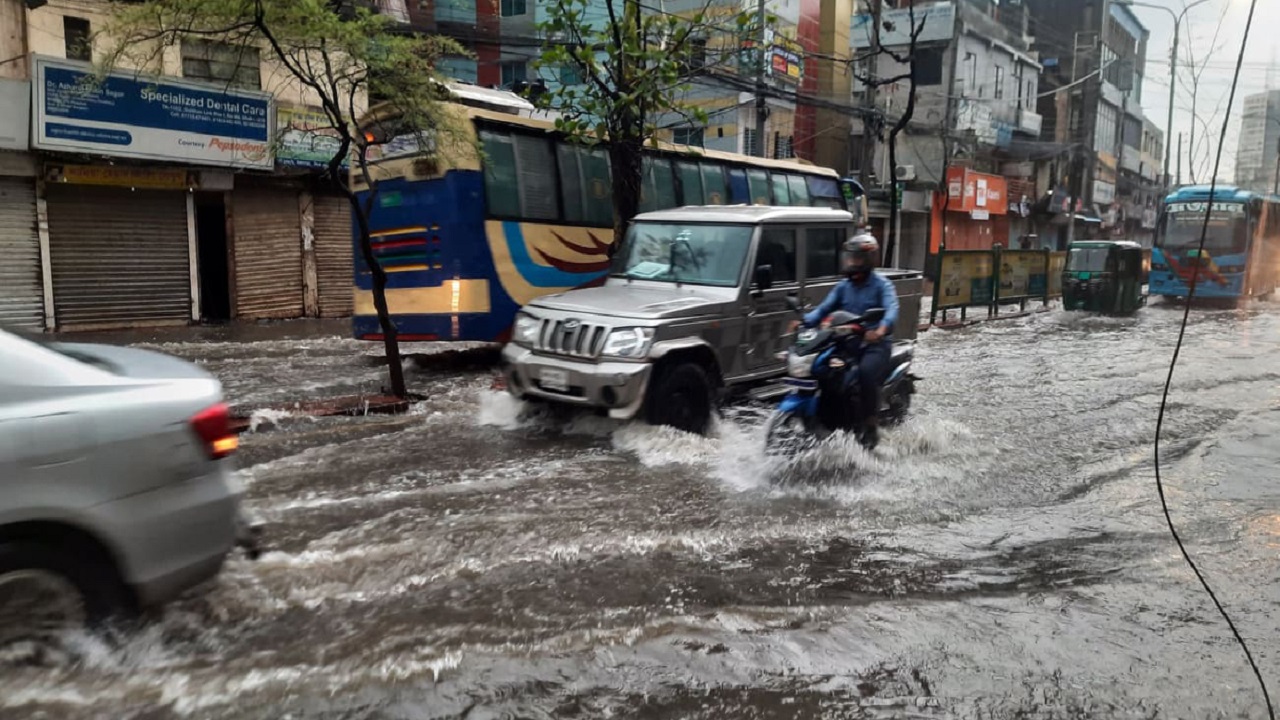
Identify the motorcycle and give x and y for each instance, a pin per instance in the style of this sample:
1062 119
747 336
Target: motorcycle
822 367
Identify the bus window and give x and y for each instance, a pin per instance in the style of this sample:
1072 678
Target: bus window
570 182
597 187
713 184
690 184
658 191
500 185
534 159
799 190
825 192
781 193
738 192
759 184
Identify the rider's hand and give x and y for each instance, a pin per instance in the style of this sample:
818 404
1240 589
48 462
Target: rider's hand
873 335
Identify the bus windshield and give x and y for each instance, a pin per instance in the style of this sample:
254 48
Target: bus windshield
1228 227
679 253
1087 260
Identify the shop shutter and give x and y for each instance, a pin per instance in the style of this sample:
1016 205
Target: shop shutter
334 247
119 257
268 253
21 291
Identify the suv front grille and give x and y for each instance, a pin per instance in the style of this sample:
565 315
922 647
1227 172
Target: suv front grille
571 337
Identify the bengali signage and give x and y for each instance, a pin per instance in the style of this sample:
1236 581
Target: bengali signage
123 176
153 118
306 138
966 278
786 59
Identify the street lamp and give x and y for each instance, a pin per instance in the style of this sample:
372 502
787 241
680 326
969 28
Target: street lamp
1173 70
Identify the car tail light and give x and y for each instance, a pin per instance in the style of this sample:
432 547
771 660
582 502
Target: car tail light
213 427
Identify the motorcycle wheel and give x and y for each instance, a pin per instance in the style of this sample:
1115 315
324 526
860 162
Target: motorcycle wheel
788 434
899 403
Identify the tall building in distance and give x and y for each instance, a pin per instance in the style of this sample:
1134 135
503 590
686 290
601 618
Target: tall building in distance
1259 146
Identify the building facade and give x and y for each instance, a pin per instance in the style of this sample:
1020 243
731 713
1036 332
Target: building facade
185 197
1258 149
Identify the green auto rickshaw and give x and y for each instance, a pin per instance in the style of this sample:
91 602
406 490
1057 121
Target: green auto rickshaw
1104 277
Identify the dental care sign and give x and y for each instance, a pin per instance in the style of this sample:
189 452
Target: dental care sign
138 116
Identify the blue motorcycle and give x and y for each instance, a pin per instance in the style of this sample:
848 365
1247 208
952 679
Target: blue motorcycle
822 369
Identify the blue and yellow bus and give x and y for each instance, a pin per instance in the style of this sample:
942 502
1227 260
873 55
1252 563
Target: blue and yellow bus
1241 256
468 238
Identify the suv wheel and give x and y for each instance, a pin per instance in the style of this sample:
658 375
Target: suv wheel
44 592
681 397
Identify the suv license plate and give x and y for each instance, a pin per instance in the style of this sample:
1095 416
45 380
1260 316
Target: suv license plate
554 380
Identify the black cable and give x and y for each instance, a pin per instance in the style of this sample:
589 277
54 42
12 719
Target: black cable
1177 350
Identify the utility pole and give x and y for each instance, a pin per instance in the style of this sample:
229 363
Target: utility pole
1179 183
1275 185
762 108
871 121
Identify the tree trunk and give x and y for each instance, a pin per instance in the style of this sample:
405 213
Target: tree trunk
390 334
626 158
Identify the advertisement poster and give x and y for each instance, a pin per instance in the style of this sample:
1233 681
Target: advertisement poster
127 115
1022 274
306 139
1057 264
966 279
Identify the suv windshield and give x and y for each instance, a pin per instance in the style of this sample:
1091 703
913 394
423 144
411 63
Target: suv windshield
684 253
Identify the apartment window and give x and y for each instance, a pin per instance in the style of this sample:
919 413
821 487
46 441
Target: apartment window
999 92
1031 95
695 56
971 62
570 75
236 66
783 147
511 8
76 35
688 136
929 64
749 142
514 72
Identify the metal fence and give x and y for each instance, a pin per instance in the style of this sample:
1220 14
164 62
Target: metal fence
992 278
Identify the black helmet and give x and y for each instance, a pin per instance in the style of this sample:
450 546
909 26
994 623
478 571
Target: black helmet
859 255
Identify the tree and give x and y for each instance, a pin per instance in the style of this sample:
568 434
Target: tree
338 54
633 66
873 82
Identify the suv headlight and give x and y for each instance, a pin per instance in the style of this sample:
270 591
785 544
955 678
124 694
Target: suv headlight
526 330
628 343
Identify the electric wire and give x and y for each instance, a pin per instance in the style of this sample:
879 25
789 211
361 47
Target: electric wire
1173 364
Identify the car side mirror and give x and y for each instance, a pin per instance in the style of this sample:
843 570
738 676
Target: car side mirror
764 278
874 315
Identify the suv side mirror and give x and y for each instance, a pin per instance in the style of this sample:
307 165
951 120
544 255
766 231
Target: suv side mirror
764 278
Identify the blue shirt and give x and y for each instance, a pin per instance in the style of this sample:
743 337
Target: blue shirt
876 292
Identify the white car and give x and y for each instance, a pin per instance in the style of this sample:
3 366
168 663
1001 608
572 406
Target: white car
115 489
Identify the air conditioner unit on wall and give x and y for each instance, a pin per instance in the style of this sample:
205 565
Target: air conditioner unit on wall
905 172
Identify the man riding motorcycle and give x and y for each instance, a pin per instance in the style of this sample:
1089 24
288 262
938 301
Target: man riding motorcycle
862 289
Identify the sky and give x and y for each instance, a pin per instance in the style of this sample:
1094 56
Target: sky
1218 58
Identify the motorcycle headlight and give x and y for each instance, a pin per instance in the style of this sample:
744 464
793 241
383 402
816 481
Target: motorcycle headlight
526 330
799 366
628 343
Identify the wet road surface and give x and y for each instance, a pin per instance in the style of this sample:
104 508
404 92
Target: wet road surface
1000 556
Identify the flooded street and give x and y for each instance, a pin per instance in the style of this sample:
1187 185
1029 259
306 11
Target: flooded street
1002 555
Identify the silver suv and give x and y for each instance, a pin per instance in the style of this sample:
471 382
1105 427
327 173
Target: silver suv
696 305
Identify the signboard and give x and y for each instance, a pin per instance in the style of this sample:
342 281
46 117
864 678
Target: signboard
786 59
123 176
15 115
974 191
1104 193
306 138
127 115
938 21
1057 263
1022 274
965 278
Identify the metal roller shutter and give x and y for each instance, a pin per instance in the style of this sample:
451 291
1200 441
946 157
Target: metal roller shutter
334 247
119 257
21 291
268 253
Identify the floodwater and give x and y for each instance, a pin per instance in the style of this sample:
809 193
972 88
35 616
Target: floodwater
1002 555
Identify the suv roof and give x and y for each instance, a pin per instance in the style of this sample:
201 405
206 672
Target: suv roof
747 214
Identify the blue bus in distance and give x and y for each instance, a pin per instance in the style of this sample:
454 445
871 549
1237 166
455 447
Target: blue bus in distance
1241 255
